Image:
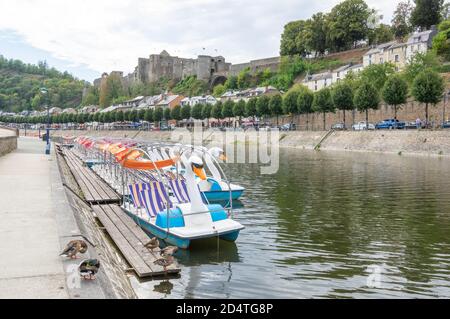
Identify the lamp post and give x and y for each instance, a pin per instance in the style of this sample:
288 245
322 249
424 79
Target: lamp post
44 91
447 94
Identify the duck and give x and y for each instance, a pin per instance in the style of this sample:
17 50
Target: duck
75 247
152 244
89 268
169 251
165 261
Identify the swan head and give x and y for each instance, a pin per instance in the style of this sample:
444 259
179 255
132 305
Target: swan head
198 167
218 153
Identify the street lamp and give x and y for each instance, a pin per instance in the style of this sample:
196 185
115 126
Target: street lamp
447 94
44 91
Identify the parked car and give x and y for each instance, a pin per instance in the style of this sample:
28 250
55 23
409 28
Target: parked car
446 124
338 127
411 125
361 126
390 124
288 127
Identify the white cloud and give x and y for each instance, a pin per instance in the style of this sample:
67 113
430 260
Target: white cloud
110 35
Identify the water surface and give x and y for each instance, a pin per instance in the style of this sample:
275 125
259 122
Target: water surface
323 226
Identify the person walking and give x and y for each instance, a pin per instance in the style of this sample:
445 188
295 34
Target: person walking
418 123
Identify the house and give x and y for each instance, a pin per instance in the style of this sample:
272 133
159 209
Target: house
204 99
397 56
135 102
69 111
150 102
89 109
316 82
109 109
420 42
264 90
55 110
229 95
340 73
170 101
378 54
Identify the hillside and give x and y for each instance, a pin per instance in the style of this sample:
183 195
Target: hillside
20 84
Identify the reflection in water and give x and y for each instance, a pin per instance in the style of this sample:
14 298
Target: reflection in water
323 224
164 287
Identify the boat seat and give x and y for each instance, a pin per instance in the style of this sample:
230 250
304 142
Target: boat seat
155 198
179 189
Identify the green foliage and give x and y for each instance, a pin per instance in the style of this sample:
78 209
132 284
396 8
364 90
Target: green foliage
377 74
441 42
401 24
186 112
366 97
262 106
216 111
197 112
20 84
381 34
342 95
239 108
290 102
420 62
250 107
148 116
305 100
158 114
427 13
219 90
428 87
244 79
323 101
176 113
348 24
231 83
167 114
206 111
395 90
227 109
276 105
190 86
119 117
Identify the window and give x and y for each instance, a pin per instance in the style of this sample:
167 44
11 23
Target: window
397 58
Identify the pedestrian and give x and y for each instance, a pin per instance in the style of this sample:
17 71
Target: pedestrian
418 123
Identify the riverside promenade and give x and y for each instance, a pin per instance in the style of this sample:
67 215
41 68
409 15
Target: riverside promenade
29 244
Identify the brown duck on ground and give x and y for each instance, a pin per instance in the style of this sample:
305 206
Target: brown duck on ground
165 261
169 251
152 244
75 247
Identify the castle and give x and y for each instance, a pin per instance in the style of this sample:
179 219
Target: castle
213 70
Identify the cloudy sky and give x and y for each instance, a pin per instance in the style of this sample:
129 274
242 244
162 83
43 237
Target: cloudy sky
87 37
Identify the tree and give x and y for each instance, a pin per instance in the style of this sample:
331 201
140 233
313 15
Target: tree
239 110
318 28
175 113
250 107
141 115
227 109
441 42
119 116
167 114
305 100
427 13
291 39
148 116
395 92
219 90
186 112
262 106
377 74
197 111
366 97
381 34
290 103
401 24
206 112
428 87
420 62
323 102
231 83
244 78
276 106
216 111
343 98
158 114
348 24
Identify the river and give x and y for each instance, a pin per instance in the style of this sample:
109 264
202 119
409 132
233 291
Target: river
328 225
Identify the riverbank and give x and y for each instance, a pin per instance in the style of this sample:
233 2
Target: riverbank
417 142
37 222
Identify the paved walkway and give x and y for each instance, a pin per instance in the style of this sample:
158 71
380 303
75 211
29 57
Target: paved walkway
29 242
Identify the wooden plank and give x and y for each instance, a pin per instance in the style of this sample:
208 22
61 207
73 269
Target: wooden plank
124 246
117 215
95 189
